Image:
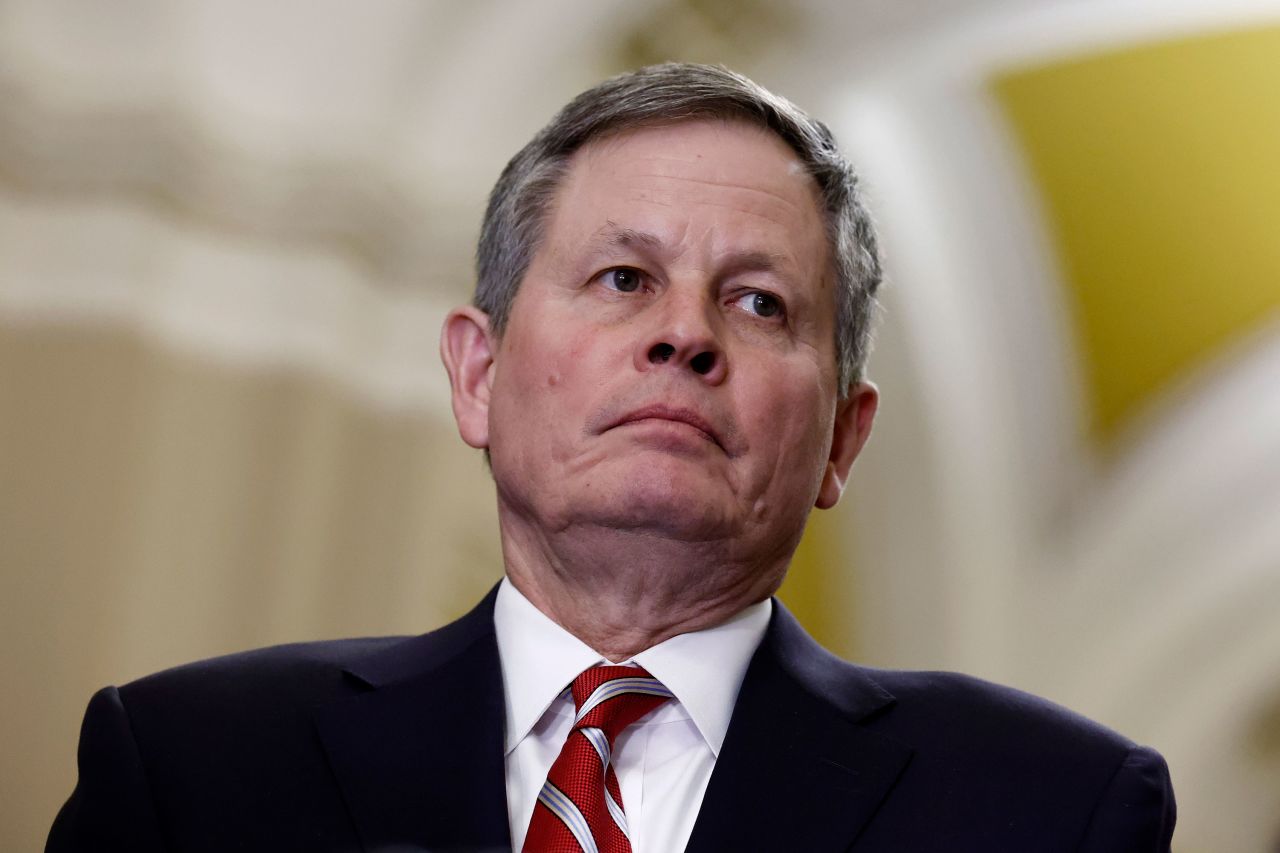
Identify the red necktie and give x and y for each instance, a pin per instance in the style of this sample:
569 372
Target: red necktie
579 808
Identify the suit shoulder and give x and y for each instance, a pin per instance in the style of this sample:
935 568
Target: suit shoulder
949 705
1023 765
285 679
294 668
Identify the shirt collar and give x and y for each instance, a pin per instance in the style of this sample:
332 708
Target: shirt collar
704 669
539 658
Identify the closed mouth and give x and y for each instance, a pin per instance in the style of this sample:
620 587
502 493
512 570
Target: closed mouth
675 415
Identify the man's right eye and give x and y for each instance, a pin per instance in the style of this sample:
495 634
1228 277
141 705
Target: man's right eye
622 279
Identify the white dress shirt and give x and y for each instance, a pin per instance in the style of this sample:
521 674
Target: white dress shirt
665 759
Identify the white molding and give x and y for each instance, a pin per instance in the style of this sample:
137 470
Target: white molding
253 305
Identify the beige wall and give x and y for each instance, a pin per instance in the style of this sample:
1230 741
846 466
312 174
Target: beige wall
158 508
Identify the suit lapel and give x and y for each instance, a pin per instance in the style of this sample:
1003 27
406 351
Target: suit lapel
797 770
418 753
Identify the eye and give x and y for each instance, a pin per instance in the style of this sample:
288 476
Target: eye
621 279
760 304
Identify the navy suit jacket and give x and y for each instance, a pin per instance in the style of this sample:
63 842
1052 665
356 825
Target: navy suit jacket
397 745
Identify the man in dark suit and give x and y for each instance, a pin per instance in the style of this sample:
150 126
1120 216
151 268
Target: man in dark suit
664 363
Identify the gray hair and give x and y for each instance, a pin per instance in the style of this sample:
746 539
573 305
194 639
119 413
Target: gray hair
660 94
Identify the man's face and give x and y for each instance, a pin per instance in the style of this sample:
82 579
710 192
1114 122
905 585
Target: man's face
669 361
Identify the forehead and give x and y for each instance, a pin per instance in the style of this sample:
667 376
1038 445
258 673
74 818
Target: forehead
733 145
720 183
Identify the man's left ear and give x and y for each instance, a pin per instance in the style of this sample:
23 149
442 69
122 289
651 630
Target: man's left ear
854 415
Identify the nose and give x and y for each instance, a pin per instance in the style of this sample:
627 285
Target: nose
684 336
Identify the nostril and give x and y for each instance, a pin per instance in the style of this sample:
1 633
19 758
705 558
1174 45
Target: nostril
702 363
661 353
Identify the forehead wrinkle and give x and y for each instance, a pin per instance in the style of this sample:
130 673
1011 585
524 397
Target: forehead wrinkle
733 186
733 194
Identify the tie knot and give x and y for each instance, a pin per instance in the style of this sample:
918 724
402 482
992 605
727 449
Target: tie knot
613 697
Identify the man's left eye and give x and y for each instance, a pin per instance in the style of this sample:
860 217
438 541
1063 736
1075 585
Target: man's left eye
760 304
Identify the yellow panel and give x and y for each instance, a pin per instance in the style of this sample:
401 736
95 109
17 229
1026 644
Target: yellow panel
818 581
1160 171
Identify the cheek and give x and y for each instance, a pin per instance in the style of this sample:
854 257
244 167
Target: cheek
799 423
559 366
543 394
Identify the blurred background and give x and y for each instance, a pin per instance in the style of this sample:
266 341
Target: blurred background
229 232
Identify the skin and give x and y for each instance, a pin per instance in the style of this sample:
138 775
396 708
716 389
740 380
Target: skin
661 410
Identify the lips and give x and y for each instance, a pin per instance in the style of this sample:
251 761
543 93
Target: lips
674 414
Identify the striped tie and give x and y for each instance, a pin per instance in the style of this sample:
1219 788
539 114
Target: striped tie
579 808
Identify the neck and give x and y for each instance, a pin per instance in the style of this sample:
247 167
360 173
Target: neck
624 591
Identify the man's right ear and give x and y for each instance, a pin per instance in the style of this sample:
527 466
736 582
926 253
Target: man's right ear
467 350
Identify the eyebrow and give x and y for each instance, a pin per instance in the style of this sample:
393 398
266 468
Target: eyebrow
613 235
770 262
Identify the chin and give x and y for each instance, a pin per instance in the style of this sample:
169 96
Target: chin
672 507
